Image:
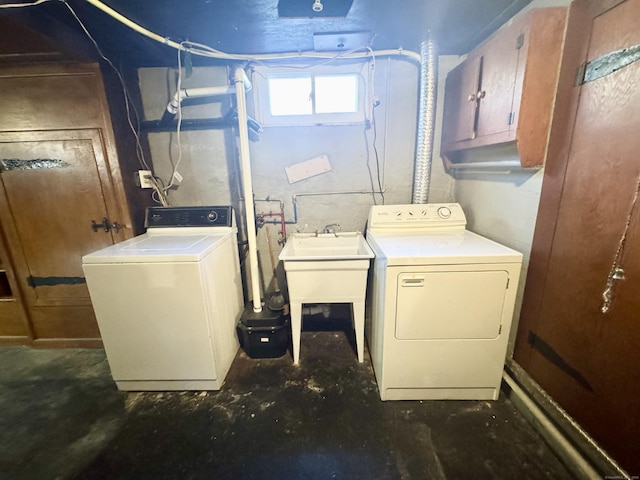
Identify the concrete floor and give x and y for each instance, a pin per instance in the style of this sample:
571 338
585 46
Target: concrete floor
61 417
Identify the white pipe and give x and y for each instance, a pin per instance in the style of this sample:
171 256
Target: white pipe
245 166
180 95
551 429
183 93
205 51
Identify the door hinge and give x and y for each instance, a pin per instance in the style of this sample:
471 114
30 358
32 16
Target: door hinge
520 41
510 118
580 74
53 281
607 64
507 287
500 329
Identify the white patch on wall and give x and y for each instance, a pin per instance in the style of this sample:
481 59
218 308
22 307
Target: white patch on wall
309 168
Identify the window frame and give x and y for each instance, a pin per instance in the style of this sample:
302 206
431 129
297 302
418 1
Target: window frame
261 99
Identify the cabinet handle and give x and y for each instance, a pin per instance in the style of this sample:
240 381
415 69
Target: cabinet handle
471 97
481 94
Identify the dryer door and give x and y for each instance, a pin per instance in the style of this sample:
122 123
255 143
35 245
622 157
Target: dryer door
450 304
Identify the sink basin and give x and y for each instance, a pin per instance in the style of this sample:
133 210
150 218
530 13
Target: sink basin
329 246
327 268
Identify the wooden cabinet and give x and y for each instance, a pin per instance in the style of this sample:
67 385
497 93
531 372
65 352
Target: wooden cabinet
505 89
60 171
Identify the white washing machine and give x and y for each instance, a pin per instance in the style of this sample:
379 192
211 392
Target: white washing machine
167 301
442 301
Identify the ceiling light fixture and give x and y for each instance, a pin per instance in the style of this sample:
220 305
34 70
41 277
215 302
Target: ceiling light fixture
317 6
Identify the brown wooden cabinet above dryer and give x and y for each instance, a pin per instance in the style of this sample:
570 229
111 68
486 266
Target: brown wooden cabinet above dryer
504 91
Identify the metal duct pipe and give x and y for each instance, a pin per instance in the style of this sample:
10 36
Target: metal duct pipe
426 120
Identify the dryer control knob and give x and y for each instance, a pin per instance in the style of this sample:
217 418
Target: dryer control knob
444 212
212 216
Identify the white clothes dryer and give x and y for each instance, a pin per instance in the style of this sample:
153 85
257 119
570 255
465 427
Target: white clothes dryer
442 301
167 301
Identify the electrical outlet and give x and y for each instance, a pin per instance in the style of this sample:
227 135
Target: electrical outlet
145 179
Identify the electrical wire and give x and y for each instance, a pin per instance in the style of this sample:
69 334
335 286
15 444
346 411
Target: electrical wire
175 174
375 151
19 5
195 48
157 195
371 104
617 272
207 51
127 101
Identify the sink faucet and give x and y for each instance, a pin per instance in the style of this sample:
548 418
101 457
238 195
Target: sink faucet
331 228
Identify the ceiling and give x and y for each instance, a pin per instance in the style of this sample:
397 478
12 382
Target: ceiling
266 26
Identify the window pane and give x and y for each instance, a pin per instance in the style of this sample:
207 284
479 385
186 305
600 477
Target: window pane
336 93
290 96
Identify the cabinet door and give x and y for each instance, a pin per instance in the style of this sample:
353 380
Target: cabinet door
497 82
52 185
459 118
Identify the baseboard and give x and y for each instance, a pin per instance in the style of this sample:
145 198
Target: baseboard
67 343
579 452
14 341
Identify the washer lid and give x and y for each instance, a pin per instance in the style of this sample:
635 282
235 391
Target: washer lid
146 248
439 248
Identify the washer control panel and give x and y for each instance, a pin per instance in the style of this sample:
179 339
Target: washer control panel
418 216
188 217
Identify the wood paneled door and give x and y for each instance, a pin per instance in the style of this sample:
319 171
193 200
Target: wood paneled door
588 359
66 189
55 191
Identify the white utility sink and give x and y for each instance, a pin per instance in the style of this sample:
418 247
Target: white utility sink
326 246
326 268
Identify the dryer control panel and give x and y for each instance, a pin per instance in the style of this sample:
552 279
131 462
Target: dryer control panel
416 217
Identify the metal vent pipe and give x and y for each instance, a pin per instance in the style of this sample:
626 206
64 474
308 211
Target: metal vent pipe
426 120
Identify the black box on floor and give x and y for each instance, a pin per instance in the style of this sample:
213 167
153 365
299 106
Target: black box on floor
264 338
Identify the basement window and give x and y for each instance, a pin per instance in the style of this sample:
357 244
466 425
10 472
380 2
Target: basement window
328 97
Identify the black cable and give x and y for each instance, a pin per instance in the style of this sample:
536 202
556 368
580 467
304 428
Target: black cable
375 149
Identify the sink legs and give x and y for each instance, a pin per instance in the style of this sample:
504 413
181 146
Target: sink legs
296 328
358 325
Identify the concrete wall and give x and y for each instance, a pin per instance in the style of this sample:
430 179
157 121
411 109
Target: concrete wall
210 163
500 206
